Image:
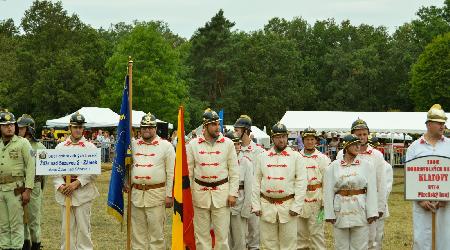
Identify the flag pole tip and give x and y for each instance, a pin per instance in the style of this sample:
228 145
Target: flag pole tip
129 59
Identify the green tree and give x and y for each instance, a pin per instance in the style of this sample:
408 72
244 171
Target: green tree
60 63
158 86
431 75
9 42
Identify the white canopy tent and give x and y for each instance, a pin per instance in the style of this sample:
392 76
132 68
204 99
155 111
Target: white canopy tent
99 118
398 122
95 118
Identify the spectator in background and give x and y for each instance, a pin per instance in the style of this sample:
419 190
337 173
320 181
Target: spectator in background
334 144
106 144
322 142
51 138
300 144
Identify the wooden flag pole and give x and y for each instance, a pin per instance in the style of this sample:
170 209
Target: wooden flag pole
130 112
68 201
433 231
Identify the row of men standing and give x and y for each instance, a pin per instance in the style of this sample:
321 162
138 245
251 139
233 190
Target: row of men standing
277 195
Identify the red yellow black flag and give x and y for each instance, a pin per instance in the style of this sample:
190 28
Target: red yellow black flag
183 212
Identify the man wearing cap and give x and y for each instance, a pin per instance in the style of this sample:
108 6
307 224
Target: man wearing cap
376 158
278 192
243 128
310 224
17 172
214 176
33 208
350 197
81 190
152 178
242 210
432 142
373 141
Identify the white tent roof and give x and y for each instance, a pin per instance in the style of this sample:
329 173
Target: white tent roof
400 122
95 117
99 117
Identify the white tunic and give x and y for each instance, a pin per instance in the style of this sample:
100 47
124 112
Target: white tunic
376 158
314 165
278 175
243 205
212 162
153 163
350 211
421 217
87 191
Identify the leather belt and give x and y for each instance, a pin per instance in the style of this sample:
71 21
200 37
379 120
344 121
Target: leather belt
277 200
241 187
350 192
211 184
313 187
146 187
5 179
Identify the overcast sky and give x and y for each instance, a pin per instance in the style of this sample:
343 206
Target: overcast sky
186 16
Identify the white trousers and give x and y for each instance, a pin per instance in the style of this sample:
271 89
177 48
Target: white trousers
278 236
238 226
253 232
219 218
80 227
310 234
147 227
422 228
354 238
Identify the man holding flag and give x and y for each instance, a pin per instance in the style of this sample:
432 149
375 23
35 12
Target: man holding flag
152 178
214 176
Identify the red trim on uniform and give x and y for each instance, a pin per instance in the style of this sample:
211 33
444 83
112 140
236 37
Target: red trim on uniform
369 152
201 140
142 177
275 178
247 158
144 165
312 179
209 177
221 140
311 167
208 189
212 152
203 164
311 200
153 143
274 191
141 154
276 165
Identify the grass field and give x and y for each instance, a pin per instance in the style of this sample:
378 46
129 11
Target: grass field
107 233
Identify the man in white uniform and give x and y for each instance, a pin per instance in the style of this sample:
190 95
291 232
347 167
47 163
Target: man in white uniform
214 175
152 178
278 193
243 128
314 163
432 142
81 190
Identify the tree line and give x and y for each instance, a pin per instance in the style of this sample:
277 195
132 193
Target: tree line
53 64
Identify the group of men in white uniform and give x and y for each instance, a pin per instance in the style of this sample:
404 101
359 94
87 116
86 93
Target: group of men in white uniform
254 198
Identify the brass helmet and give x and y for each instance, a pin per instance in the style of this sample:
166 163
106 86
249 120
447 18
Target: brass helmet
77 119
436 114
279 129
359 124
230 134
210 116
244 121
6 117
148 120
349 140
309 132
27 121
373 141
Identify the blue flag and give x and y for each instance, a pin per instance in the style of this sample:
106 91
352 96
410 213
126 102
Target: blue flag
222 130
122 158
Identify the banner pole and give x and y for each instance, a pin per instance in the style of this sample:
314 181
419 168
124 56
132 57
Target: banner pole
68 204
130 113
433 231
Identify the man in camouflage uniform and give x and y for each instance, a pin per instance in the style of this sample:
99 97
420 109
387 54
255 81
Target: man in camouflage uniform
243 128
17 171
33 209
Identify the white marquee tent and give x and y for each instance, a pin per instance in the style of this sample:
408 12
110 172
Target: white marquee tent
398 122
99 118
